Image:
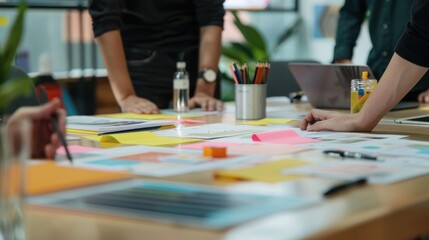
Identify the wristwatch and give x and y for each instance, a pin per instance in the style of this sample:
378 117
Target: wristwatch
209 75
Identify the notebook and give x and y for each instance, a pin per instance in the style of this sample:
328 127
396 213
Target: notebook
103 125
182 204
328 85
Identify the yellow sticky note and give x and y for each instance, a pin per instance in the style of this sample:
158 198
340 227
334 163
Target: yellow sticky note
424 108
81 131
268 121
4 21
148 116
267 172
141 138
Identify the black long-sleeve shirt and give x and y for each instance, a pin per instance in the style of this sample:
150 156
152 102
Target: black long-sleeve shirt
414 43
156 24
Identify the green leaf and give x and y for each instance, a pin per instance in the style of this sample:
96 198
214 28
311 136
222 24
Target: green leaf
288 33
10 89
8 51
260 55
244 48
235 54
251 34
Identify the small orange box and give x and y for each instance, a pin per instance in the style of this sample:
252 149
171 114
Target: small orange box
215 152
207 151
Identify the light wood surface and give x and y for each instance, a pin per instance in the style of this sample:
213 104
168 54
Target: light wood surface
395 211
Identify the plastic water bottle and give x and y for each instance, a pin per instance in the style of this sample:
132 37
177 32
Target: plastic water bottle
181 88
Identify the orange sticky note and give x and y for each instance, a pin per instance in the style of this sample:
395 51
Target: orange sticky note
49 177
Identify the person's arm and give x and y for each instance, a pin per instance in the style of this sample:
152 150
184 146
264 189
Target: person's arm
408 65
400 76
111 47
398 79
415 41
209 15
44 139
106 24
352 14
210 49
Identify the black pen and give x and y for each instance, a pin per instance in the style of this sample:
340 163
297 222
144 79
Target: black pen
54 121
347 154
344 186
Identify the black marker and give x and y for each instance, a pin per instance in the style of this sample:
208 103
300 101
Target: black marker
344 186
347 154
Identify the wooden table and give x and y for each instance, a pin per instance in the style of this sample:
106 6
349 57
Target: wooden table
395 211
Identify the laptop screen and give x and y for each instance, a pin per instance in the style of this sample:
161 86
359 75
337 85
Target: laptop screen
327 85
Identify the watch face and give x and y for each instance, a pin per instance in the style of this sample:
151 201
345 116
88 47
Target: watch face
209 75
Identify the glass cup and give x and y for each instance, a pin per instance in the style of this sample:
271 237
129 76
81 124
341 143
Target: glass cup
14 150
250 101
359 93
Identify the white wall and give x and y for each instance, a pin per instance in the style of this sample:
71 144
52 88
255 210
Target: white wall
43 31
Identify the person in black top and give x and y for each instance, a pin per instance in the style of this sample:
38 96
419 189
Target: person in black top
386 23
141 41
407 66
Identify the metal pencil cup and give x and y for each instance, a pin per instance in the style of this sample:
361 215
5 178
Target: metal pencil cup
250 101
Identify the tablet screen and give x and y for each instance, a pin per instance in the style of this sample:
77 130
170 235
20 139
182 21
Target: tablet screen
414 120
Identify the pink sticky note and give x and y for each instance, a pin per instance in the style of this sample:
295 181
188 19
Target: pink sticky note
76 149
284 137
186 121
201 145
266 148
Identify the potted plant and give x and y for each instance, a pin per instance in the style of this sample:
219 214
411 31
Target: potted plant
12 88
253 49
13 147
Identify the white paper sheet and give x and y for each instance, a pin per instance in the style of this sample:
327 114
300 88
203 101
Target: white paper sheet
159 161
375 172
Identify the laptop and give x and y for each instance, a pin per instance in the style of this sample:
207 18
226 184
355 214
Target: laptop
280 81
328 85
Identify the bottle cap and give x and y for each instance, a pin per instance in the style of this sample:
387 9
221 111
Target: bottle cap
181 65
45 64
364 75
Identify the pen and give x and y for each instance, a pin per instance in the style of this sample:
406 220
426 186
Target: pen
61 137
344 186
233 74
347 154
238 73
54 121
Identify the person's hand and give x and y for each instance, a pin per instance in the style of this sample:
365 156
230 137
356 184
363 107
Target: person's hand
44 139
206 102
343 61
424 96
319 120
135 104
